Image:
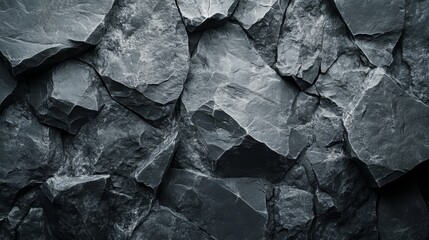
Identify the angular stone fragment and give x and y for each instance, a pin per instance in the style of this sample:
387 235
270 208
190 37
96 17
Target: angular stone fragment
415 46
66 96
75 206
376 25
143 58
7 85
165 224
262 20
387 130
226 209
295 212
238 103
402 212
150 173
36 34
312 38
29 153
202 14
33 227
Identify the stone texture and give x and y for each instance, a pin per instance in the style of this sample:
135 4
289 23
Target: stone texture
33 226
66 96
36 34
400 123
229 208
143 58
202 14
7 85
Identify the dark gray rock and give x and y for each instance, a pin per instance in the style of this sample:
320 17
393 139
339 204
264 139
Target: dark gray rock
35 34
75 206
295 213
262 20
66 96
7 85
387 129
29 153
33 227
202 14
376 25
143 58
415 46
224 208
226 100
402 212
165 224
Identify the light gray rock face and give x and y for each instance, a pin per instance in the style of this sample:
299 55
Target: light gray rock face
262 20
36 34
224 208
7 85
311 39
225 98
33 226
202 14
66 96
400 122
415 46
75 206
295 212
376 25
29 153
165 224
143 58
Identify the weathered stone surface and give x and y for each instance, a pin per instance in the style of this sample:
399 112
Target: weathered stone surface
75 207
33 227
7 85
262 20
295 213
66 96
35 34
415 46
165 224
29 153
226 209
376 25
202 14
143 58
403 213
387 129
225 97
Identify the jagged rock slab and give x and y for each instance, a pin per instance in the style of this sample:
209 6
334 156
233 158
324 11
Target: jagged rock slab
35 34
387 130
66 96
75 206
7 85
33 226
165 224
376 25
202 14
144 57
236 101
311 39
295 212
226 209
29 153
262 20
402 212
415 46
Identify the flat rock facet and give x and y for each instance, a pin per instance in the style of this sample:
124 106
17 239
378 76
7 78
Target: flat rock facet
202 14
66 96
143 58
38 33
224 208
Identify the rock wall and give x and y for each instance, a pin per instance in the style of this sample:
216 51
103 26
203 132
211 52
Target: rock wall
214 119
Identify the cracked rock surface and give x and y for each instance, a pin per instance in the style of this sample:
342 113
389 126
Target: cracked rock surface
214 120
